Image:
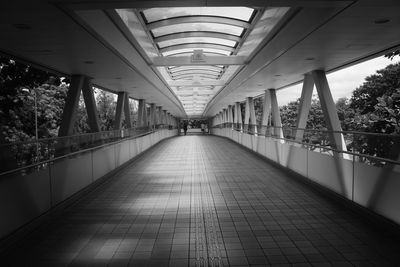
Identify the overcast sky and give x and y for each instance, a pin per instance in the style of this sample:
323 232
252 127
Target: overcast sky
342 82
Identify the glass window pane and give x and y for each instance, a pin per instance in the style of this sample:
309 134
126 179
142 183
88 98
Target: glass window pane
179 52
193 27
189 40
241 13
195 72
213 68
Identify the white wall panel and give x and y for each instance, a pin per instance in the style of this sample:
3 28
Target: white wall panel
272 149
26 197
332 172
375 188
69 175
297 159
121 152
139 145
261 146
103 161
246 139
23 198
254 142
133 147
378 189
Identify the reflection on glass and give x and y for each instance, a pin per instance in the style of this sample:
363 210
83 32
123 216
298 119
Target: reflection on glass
241 13
204 27
191 40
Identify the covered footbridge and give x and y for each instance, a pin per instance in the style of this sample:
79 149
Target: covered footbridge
244 192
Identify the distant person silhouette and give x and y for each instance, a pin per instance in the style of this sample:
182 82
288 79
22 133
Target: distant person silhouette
185 127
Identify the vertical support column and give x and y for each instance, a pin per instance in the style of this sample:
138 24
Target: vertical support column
152 115
79 83
118 111
164 117
329 109
90 104
250 115
247 113
142 113
238 115
276 116
127 111
266 115
224 113
159 115
71 106
230 115
305 105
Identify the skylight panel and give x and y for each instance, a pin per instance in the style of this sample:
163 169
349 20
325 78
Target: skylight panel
212 72
179 52
188 40
240 13
192 75
204 27
191 53
181 68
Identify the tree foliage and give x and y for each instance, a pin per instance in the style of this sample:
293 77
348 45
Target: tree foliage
374 107
315 119
106 105
19 86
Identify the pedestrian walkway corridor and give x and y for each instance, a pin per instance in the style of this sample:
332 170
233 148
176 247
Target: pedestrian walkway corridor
205 201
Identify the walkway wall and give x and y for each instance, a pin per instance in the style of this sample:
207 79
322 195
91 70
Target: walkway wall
24 198
375 188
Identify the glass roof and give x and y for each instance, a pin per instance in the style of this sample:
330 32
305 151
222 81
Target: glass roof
241 13
197 34
180 52
181 68
196 27
189 40
210 72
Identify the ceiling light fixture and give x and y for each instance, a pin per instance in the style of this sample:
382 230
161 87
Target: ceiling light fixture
22 26
381 21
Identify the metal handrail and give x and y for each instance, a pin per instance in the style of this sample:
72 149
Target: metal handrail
316 130
244 128
82 150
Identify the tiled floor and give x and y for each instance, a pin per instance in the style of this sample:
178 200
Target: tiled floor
203 201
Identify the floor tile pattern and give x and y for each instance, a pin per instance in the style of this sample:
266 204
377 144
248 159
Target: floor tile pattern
204 201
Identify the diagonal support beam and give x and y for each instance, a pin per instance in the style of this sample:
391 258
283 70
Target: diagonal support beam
329 109
266 114
250 115
152 118
230 113
276 116
142 113
122 106
304 107
118 111
127 111
79 83
238 115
